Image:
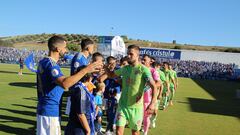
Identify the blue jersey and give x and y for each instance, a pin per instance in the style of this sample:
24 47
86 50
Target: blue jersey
82 102
112 105
49 93
98 102
111 86
78 61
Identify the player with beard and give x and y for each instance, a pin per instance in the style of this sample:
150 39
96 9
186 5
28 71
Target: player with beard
134 78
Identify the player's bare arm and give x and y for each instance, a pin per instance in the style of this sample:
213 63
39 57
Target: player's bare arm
67 82
153 86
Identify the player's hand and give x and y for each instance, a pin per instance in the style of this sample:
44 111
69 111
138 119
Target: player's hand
102 71
151 108
168 92
107 69
88 131
111 66
94 67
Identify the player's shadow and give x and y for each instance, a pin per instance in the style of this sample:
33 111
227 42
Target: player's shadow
26 106
16 131
28 113
19 114
225 102
31 98
4 120
23 114
23 84
12 72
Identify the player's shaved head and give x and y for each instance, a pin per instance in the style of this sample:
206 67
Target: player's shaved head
133 54
135 47
55 41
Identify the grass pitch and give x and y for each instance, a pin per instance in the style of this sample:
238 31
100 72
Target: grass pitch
201 107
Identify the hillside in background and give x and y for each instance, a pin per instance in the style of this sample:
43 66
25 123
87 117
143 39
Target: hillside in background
39 41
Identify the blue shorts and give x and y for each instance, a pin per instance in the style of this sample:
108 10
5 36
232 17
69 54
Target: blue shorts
71 130
111 117
100 113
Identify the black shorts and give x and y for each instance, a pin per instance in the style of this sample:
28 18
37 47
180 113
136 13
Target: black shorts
21 66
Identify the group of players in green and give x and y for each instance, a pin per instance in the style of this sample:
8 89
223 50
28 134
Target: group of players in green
138 78
169 80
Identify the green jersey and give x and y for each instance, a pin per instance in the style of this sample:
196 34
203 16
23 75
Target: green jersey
173 75
162 75
167 75
134 79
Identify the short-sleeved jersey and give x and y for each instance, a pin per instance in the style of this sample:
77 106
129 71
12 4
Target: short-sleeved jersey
134 79
111 85
48 91
98 99
78 61
82 102
173 75
112 105
155 77
162 76
167 75
98 102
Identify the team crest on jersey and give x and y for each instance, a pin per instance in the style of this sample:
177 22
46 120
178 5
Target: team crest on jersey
76 64
137 72
55 72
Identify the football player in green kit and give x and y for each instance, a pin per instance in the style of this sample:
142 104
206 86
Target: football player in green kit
173 84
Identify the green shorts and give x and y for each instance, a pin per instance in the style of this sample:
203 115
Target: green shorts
172 89
164 90
157 104
134 116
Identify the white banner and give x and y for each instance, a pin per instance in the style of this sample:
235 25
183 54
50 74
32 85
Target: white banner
118 44
112 46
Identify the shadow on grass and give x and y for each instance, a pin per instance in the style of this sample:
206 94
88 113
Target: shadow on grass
17 120
29 107
23 84
16 130
31 98
11 72
225 102
213 107
7 120
28 113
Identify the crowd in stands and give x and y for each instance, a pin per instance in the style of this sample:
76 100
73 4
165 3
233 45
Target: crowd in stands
12 55
203 69
189 69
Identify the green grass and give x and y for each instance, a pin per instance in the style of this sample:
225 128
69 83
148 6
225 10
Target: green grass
200 108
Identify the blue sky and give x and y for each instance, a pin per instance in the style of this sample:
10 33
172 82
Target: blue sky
201 22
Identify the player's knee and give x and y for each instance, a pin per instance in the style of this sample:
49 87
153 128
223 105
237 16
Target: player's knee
120 130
